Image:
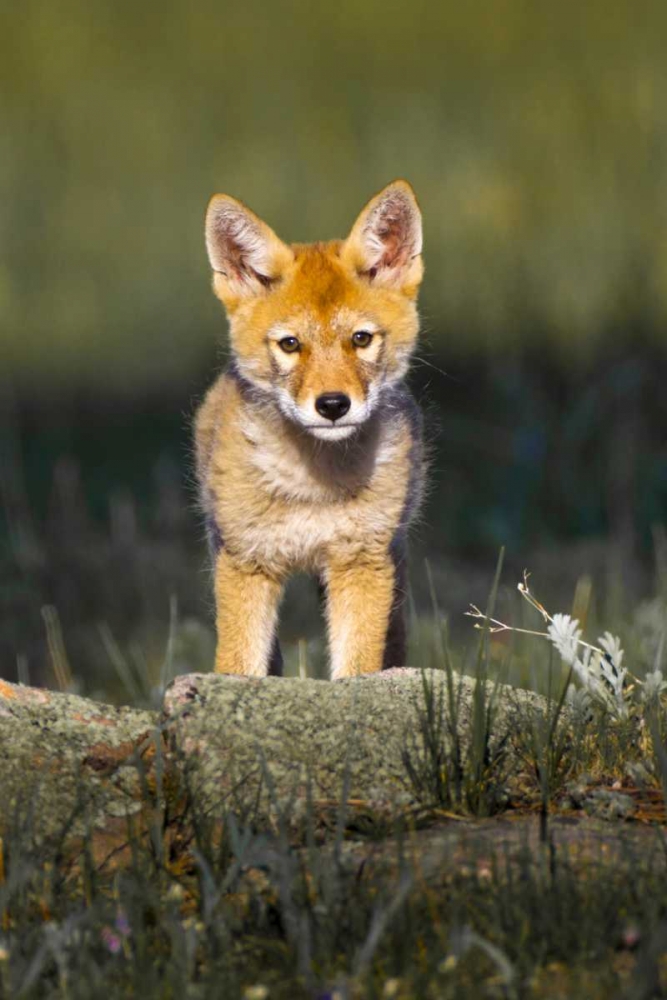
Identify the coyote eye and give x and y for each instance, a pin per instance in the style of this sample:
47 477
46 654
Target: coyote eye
362 338
289 344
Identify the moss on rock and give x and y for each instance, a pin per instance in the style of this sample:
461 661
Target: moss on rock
67 763
72 767
265 741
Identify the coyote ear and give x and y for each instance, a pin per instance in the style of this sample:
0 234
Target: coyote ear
385 244
245 253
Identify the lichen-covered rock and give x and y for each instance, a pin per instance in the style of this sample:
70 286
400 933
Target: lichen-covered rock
69 766
272 741
74 769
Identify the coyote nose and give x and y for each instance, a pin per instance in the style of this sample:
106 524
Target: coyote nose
332 405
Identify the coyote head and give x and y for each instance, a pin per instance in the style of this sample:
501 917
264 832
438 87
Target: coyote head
322 328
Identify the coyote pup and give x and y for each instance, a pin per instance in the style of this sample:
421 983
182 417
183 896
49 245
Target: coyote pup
308 446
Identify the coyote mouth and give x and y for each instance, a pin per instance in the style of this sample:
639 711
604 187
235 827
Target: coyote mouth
333 426
332 431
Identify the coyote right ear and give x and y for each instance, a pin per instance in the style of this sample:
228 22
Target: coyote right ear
245 253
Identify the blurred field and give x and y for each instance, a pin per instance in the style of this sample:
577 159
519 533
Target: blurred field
536 138
535 135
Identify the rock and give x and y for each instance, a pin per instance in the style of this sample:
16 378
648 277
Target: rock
73 768
262 741
68 763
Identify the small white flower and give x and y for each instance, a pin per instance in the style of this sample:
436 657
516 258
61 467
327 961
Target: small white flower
584 666
612 647
654 686
601 680
565 634
610 674
579 700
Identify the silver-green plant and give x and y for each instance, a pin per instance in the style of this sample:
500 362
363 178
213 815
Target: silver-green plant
599 669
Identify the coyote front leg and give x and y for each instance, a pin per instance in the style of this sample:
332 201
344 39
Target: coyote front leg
359 603
246 612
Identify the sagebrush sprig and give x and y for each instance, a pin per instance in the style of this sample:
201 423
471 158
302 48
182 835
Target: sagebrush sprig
599 668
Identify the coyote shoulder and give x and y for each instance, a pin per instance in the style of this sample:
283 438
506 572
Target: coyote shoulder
308 446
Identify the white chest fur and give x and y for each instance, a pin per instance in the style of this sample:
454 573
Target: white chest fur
301 499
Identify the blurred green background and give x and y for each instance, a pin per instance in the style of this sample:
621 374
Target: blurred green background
535 135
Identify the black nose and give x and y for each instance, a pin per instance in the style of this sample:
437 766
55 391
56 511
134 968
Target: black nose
332 405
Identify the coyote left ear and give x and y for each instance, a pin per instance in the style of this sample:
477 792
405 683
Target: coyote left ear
385 244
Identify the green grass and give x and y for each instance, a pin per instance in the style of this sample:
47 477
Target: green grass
264 912
216 903
361 904
452 898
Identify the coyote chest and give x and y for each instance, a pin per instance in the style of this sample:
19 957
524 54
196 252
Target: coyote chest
285 505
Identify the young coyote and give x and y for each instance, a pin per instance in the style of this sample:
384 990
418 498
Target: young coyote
308 446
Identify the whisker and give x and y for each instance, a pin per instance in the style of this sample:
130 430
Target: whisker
429 364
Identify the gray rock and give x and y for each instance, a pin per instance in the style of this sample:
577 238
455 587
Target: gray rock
61 762
73 766
264 741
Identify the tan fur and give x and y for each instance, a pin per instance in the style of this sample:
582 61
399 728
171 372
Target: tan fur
280 496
